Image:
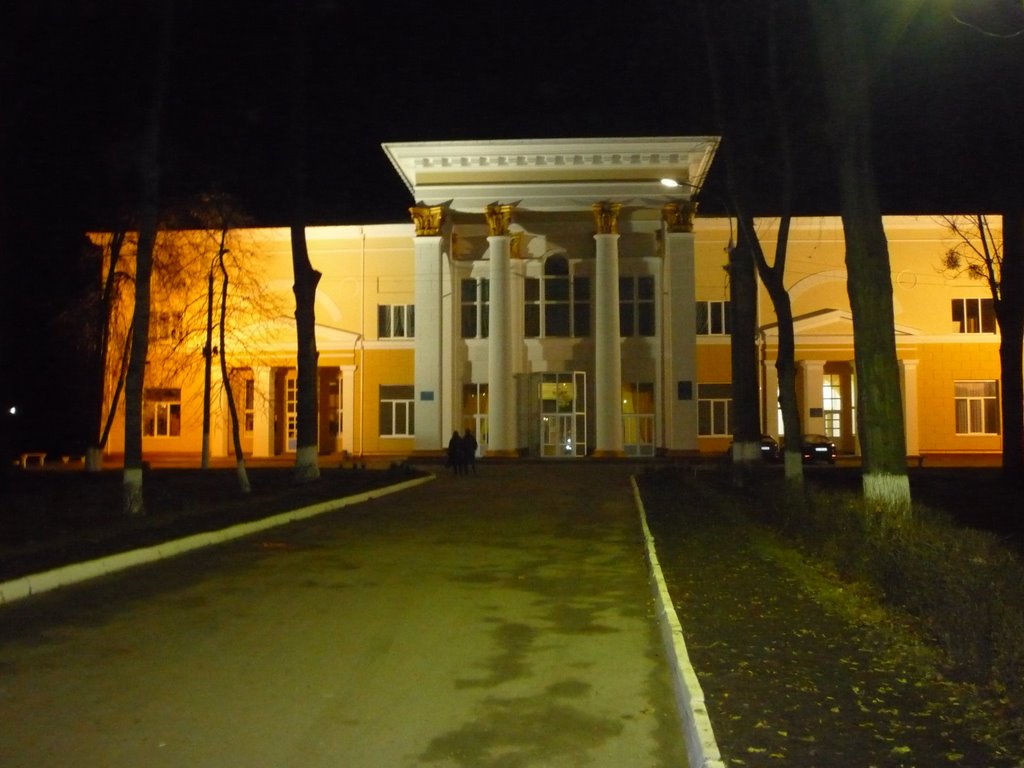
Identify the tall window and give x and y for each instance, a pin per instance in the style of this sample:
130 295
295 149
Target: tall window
636 306
974 315
638 418
713 318
161 412
977 407
557 305
397 411
832 401
396 321
475 300
714 409
249 407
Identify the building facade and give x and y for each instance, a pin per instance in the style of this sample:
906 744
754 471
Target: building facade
561 300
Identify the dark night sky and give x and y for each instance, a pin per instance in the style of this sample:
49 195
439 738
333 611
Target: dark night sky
75 77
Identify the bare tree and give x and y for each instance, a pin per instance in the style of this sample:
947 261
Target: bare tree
243 476
307 467
741 125
997 260
149 170
105 332
843 46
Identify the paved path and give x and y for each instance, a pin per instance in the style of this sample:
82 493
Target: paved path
498 620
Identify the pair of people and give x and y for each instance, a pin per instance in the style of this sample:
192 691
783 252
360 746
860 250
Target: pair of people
462 452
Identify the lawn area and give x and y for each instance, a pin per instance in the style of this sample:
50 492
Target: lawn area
52 517
820 641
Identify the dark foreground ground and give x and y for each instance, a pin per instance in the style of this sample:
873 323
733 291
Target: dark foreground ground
52 517
797 669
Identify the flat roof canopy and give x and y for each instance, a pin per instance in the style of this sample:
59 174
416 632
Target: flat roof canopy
553 174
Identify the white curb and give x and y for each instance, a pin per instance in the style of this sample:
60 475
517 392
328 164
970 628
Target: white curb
35 584
701 747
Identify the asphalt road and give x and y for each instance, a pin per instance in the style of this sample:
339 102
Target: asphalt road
498 620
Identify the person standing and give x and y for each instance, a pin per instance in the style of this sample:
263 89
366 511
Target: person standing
469 446
456 453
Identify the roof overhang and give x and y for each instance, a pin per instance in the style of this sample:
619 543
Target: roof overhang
553 174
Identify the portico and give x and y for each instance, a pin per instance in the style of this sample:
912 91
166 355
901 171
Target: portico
535 240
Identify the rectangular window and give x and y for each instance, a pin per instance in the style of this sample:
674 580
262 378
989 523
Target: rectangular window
165 326
974 315
977 407
161 413
397 411
475 304
713 318
531 310
636 306
581 307
396 321
249 406
714 410
557 306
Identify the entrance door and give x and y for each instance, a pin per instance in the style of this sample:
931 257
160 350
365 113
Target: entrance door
474 414
563 414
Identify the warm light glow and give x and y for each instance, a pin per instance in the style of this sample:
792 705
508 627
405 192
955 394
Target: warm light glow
671 183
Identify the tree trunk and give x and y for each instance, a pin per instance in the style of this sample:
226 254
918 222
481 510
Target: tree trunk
243 475
208 366
1011 348
785 362
746 428
306 278
841 44
307 440
149 167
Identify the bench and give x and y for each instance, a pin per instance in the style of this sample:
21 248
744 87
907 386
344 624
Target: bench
38 456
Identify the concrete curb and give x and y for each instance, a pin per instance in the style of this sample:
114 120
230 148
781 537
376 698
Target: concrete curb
701 747
26 586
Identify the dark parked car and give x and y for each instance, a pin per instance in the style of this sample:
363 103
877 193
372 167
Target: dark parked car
769 448
818 448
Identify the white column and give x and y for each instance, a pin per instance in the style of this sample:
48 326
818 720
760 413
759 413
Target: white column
348 408
679 329
813 391
607 349
908 382
501 415
263 412
429 343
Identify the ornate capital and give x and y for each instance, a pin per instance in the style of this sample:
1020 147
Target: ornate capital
499 218
678 217
428 219
606 218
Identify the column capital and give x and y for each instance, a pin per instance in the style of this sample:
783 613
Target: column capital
606 217
428 219
499 218
678 217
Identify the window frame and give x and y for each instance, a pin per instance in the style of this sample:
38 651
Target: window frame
161 405
717 399
544 307
397 407
979 309
988 410
714 313
391 316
